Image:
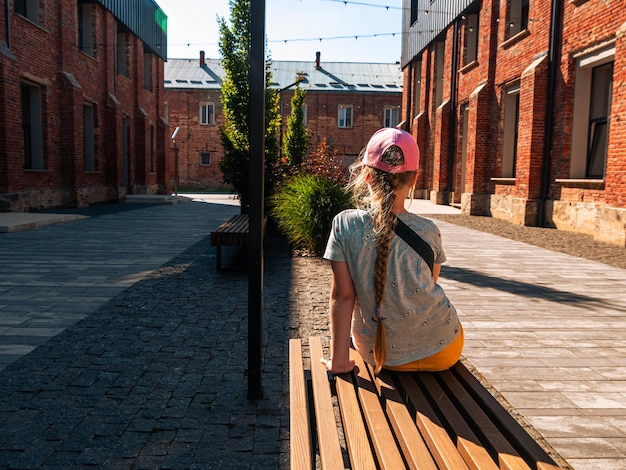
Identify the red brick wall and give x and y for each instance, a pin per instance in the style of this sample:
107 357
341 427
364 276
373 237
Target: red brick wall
47 55
503 61
193 138
322 114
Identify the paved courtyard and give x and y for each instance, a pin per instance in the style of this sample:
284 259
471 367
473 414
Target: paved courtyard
122 347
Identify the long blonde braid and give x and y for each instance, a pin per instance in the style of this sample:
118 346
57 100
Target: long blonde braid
375 191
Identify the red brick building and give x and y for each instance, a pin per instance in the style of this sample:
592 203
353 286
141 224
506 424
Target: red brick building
346 103
518 107
81 102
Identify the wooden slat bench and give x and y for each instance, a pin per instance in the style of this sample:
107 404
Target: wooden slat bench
444 420
234 232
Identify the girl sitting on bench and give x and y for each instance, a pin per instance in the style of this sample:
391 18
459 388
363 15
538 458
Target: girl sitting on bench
384 294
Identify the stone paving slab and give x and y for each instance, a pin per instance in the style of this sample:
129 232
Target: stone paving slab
150 372
50 277
548 331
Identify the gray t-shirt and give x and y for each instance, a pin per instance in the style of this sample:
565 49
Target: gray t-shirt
420 320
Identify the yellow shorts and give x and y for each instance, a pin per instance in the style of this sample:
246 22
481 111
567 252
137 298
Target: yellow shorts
442 360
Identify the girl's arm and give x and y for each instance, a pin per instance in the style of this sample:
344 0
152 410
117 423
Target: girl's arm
342 299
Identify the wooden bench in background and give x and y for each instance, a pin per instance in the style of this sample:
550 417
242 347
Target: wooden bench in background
421 420
234 232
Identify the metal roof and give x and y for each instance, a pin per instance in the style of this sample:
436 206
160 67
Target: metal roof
145 19
344 77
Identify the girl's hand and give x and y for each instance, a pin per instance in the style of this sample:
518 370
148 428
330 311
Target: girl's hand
338 368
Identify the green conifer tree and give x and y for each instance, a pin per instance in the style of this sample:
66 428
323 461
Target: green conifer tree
234 44
296 144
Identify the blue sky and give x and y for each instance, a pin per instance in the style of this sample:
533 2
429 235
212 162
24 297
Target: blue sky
293 29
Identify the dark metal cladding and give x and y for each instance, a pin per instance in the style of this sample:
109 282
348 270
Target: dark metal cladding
145 19
424 20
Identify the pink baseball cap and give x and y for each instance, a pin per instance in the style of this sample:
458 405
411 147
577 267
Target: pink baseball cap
403 154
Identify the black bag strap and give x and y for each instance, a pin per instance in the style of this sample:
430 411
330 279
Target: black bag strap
416 242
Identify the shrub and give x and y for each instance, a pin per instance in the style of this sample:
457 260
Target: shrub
304 209
325 162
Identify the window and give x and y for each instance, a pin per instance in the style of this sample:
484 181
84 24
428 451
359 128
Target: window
86 42
392 116
414 10
121 55
465 114
517 19
510 128
89 129
32 127
28 9
207 114
147 70
151 155
417 88
592 108
345 116
470 39
440 53
598 126
205 158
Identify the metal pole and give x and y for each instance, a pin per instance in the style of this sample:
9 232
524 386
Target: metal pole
257 157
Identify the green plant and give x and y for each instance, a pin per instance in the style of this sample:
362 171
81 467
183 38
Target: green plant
296 139
304 208
326 163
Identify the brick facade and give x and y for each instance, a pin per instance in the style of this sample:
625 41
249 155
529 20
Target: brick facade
190 83
494 159
45 70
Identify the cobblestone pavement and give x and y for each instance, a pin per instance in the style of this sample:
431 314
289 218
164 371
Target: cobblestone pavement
152 373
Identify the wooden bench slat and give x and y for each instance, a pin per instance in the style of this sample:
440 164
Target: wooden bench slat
481 421
382 439
468 444
411 442
357 442
441 446
300 435
327 435
418 420
528 448
233 232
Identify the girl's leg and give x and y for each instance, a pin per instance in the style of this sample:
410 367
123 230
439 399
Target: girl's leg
442 360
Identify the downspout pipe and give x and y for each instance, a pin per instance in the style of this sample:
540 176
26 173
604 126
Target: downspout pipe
409 98
7 24
453 103
553 66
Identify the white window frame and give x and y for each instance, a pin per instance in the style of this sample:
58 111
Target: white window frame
582 106
204 153
206 114
390 113
510 130
304 115
345 116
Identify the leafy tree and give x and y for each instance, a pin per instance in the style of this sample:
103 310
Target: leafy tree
234 47
324 162
296 139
